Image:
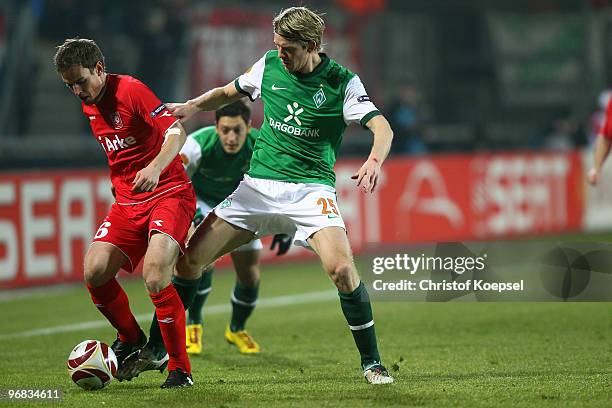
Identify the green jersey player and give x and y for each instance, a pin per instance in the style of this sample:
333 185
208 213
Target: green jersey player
216 158
308 101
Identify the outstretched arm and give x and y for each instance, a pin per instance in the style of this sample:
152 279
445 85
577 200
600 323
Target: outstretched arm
208 101
602 149
367 176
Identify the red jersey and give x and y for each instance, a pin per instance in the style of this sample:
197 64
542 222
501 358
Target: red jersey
130 122
606 126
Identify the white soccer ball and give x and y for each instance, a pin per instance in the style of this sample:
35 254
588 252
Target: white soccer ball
92 365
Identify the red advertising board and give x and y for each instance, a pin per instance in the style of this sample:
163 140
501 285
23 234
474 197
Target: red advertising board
47 219
481 197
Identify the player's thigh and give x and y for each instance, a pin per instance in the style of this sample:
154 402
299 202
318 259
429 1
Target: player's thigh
331 244
202 211
334 250
125 228
172 215
159 261
102 262
192 229
246 263
213 238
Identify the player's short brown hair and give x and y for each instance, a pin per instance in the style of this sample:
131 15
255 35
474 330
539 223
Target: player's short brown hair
300 24
237 108
77 51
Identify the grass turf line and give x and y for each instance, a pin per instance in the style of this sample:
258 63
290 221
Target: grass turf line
465 354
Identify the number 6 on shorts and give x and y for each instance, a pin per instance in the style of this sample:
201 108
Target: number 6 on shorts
103 230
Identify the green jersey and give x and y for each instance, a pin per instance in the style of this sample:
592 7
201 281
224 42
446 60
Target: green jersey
305 116
214 173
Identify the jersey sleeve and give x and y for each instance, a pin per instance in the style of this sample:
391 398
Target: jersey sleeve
606 128
357 105
191 155
150 108
249 83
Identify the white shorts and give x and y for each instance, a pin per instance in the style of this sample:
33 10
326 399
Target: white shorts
254 245
267 207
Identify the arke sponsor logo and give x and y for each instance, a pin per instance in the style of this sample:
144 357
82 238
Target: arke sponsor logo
117 143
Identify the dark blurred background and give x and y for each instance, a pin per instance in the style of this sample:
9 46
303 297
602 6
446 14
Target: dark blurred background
450 75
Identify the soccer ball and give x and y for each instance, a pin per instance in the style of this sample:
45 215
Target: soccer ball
92 365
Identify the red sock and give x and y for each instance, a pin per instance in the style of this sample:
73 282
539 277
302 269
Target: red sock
171 317
112 302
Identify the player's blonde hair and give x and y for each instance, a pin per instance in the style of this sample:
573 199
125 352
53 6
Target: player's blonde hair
300 24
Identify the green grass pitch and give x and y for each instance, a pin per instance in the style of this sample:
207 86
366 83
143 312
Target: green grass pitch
441 354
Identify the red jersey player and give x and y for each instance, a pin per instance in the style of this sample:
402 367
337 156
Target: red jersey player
602 146
154 204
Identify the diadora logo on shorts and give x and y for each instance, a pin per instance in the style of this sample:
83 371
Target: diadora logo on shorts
117 143
294 111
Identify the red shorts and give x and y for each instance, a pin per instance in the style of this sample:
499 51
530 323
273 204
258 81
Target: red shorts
129 227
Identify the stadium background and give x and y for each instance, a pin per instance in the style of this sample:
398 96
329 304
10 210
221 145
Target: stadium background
494 107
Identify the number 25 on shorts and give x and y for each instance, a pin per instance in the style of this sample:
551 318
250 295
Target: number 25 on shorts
327 205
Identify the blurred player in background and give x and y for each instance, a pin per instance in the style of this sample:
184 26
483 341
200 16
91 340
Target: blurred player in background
154 206
308 101
216 158
603 143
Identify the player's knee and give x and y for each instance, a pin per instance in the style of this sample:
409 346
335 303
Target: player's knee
94 272
343 274
156 283
188 268
156 266
157 274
